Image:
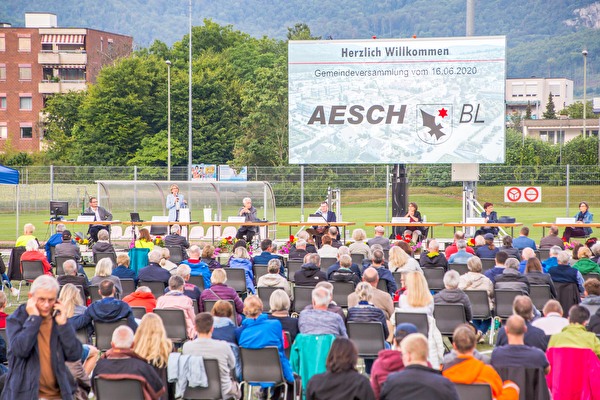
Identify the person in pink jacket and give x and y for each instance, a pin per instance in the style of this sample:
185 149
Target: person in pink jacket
175 298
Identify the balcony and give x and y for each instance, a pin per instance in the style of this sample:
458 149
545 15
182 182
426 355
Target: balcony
63 57
47 87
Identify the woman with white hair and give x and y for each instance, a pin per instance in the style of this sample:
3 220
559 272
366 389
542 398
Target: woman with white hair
273 278
27 235
103 245
451 294
360 246
33 253
165 262
241 260
280 310
103 272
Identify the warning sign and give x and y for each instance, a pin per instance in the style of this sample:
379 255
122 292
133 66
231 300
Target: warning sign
522 194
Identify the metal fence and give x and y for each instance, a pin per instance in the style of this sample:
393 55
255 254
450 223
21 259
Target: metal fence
431 184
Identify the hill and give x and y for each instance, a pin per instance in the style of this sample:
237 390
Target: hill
544 38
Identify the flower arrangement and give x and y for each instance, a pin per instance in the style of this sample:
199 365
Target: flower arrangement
570 245
471 242
158 241
416 247
81 241
225 245
285 249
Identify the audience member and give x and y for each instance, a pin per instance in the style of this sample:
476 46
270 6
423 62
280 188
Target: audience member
219 291
70 276
365 311
144 240
535 276
33 253
224 325
401 261
266 246
451 294
511 278
176 299
526 254
165 260
121 361
273 278
103 245
344 272
595 252
461 255
151 343
175 239
248 211
53 240
142 297
123 271
552 322
28 230
341 380
334 234
515 352
564 273
41 341
475 280
498 269
585 265
508 248
241 260
299 251
384 273
327 250
489 250
450 358
523 240
575 334
3 315
197 267
153 272
189 289
208 257
552 260
458 235
104 269
359 246
310 244
466 369
379 238
318 320
592 292
343 250
381 299
534 337
310 274
280 309
552 239
417 380
332 306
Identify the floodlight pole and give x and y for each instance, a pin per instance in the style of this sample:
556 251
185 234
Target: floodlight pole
189 174
585 53
168 120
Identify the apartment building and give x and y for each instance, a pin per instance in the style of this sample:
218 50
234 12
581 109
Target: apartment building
42 59
535 91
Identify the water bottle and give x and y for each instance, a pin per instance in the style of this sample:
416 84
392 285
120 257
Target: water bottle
424 218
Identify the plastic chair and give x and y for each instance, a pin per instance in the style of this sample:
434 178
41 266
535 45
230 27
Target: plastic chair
264 294
128 233
591 275
474 391
544 254
157 288
109 389
94 295
262 366
197 280
104 331
341 290
531 381
174 322
460 268
29 271
327 262
293 267
539 294
504 302
197 232
480 305
209 304
448 317
99 256
368 337
138 312
397 278
229 231
435 278
420 320
116 232
259 270
487 263
213 233
128 286
213 391
59 261
357 258
302 297
236 278
177 254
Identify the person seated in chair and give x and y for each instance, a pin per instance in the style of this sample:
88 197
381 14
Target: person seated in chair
175 239
490 217
267 254
54 240
71 276
248 211
68 248
153 272
100 214
584 216
575 334
564 273
102 245
33 254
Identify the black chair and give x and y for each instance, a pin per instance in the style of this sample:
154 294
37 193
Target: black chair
327 262
4 336
262 366
567 294
236 278
293 267
209 304
264 294
177 254
81 292
368 337
302 297
382 285
157 288
531 381
341 290
29 271
109 389
82 336
174 322
397 278
448 317
539 294
544 254
99 256
480 306
357 258
138 312
94 294
487 263
128 286
420 320
536 252
435 278
159 230
213 391
591 275
474 391
504 302
59 261
460 268
259 270
197 280
104 331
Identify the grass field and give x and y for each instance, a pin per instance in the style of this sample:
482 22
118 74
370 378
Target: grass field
368 205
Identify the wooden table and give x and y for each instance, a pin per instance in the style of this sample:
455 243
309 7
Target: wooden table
73 222
416 224
545 225
238 224
512 225
298 223
164 223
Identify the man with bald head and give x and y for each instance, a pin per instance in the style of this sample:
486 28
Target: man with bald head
552 239
516 353
381 299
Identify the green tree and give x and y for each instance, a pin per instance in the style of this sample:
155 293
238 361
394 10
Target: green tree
528 110
62 124
550 112
581 151
301 31
575 110
528 151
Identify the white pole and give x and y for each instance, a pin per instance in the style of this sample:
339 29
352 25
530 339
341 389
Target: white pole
189 174
168 120
585 53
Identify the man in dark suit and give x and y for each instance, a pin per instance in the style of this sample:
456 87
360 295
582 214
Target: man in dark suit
175 239
328 216
101 214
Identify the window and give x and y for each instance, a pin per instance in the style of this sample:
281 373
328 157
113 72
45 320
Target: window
2 101
26 131
25 72
25 102
518 89
2 72
2 42
25 44
3 130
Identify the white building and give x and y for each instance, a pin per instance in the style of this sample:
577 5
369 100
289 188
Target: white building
535 91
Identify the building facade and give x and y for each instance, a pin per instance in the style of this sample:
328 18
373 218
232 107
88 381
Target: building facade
560 130
535 91
43 59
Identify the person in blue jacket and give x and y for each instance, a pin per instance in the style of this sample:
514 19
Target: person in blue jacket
241 260
40 342
259 331
584 216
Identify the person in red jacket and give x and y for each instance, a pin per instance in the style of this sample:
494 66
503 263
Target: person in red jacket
389 361
33 253
3 315
142 297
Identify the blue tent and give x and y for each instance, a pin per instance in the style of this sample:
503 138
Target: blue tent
9 176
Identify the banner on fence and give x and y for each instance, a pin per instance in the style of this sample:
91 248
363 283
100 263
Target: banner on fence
226 173
204 172
397 101
522 194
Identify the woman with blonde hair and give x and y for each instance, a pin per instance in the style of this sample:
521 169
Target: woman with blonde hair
359 246
241 259
400 261
151 342
103 272
220 291
144 240
165 262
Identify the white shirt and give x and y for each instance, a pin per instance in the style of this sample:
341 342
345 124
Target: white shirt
551 324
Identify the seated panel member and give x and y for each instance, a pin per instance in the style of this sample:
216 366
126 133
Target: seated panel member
249 212
101 214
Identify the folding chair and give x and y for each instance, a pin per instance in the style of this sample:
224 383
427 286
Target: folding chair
128 286
209 304
157 288
104 331
357 258
197 280
59 261
176 254
448 317
480 307
368 337
213 391
138 312
474 391
197 232
302 297
174 322
99 256
264 294
435 278
327 262
262 366
544 254
341 290
108 389
420 320
460 268
259 270
397 278
29 271
236 278
539 294
504 302
487 263
94 295
293 266
382 285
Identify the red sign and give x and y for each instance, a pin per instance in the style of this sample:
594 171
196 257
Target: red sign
513 194
531 194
